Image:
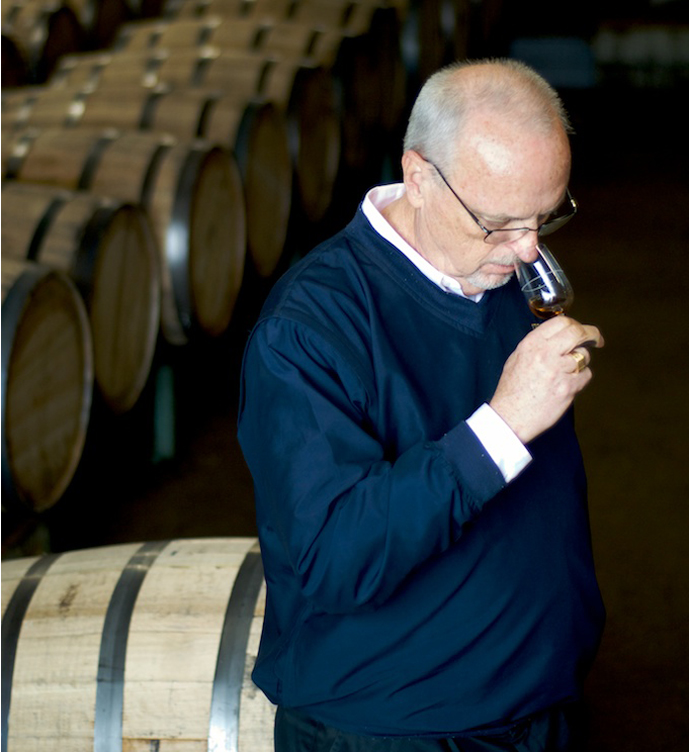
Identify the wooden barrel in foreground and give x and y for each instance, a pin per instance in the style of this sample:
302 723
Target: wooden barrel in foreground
136 647
107 248
192 192
47 384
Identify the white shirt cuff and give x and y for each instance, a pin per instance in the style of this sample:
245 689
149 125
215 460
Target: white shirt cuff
501 443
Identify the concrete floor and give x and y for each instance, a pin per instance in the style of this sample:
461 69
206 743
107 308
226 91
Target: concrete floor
627 256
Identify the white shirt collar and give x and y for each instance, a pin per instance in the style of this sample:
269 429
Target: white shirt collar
374 202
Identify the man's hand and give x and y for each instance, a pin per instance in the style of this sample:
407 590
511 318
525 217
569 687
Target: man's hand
541 377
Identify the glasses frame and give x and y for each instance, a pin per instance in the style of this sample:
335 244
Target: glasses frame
546 228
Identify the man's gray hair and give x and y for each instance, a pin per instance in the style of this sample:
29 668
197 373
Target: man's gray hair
504 87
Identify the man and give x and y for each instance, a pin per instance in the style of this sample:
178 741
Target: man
420 494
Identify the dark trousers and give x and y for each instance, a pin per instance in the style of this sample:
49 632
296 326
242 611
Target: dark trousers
556 730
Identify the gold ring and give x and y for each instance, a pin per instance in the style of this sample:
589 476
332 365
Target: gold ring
579 359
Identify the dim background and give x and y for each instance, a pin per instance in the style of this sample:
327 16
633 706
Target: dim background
171 467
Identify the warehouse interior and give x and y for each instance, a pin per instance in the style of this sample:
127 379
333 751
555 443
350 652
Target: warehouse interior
170 466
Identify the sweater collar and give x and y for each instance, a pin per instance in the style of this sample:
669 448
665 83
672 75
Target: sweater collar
457 310
374 202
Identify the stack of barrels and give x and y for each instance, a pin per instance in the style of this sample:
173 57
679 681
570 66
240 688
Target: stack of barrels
144 180
155 157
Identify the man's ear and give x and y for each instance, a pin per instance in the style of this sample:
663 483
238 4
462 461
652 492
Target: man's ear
414 169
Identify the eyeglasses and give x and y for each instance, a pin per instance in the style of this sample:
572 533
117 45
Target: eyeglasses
564 214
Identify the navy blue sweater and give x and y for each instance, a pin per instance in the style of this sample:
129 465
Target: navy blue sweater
410 590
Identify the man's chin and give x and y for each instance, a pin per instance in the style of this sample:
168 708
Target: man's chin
484 281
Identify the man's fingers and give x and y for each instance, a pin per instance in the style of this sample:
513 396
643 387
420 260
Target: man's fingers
568 333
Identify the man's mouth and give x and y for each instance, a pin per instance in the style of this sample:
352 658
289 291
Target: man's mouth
494 267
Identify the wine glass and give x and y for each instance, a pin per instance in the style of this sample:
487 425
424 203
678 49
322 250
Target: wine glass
545 286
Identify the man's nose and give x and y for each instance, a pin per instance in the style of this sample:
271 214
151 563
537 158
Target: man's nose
526 247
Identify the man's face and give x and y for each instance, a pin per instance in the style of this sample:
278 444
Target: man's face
507 181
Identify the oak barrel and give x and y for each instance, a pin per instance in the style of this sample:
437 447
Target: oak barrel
303 89
136 647
255 129
192 192
107 248
47 384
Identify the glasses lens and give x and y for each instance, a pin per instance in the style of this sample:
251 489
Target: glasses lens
556 222
495 237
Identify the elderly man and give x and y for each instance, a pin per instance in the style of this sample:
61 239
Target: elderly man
421 499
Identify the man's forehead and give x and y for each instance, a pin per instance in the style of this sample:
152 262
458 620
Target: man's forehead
493 152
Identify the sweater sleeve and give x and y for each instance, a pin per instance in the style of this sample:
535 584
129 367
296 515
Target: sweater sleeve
353 522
